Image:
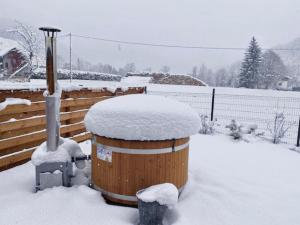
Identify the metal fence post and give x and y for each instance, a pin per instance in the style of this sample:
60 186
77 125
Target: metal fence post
212 105
298 137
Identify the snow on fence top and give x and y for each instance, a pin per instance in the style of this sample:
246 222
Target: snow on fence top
142 117
39 84
13 101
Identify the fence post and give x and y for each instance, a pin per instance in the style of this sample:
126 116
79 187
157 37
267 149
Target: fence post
212 105
298 137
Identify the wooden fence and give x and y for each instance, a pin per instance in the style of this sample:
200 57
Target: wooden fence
22 127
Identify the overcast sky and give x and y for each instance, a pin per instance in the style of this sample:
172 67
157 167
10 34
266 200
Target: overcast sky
219 23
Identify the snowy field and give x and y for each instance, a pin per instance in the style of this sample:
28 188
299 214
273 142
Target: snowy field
230 183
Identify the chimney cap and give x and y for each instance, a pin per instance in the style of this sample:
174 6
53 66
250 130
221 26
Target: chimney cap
49 29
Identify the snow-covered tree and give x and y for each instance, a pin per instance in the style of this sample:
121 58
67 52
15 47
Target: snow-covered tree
221 77
128 68
249 75
233 75
205 74
28 38
165 69
194 71
148 69
271 69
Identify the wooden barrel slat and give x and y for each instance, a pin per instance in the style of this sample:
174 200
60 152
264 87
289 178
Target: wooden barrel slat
128 173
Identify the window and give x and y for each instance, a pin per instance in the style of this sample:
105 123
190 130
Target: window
6 65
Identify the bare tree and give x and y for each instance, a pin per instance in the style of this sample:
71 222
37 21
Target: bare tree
27 37
279 128
271 69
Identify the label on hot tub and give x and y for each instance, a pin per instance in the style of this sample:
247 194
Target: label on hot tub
104 154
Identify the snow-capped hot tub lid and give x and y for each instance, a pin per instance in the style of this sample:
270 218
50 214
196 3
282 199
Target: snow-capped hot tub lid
142 117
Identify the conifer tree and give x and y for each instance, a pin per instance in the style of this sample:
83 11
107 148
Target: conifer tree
249 75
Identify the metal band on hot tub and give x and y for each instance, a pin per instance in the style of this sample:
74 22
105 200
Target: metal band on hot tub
129 198
144 151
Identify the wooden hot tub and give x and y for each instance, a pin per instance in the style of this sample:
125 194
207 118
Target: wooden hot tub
139 141
120 167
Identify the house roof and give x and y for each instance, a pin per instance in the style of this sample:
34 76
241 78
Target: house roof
7 44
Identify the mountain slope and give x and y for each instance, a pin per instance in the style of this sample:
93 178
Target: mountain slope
290 58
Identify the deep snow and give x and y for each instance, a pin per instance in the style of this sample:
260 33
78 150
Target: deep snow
230 183
142 117
164 194
67 148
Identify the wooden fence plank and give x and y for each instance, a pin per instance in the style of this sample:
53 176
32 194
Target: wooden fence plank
14 158
19 132
41 120
41 135
23 115
83 137
37 106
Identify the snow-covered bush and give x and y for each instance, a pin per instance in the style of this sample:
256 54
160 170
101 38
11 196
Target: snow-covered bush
251 129
247 133
235 130
278 128
207 126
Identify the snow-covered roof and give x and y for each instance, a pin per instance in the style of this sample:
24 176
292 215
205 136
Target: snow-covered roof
142 117
7 44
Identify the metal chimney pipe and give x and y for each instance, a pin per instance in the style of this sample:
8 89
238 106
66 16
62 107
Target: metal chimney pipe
53 94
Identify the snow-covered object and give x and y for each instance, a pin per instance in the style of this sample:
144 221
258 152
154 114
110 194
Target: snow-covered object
66 150
207 126
142 117
14 101
164 194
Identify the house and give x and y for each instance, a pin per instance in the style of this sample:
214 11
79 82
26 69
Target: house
283 83
165 78
13 61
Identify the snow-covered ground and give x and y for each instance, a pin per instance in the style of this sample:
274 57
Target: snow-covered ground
230 183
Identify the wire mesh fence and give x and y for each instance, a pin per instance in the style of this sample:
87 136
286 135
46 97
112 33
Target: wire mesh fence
245 109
